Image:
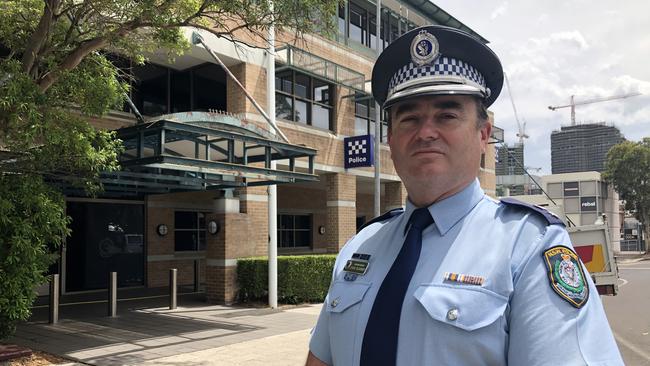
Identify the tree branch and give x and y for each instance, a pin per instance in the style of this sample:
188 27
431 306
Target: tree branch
39 36
72 60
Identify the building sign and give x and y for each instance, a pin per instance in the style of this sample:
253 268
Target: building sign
588 204
571 189
358 151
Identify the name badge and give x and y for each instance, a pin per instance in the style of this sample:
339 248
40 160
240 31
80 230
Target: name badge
358 264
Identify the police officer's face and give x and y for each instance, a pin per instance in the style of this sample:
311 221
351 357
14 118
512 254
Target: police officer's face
436 141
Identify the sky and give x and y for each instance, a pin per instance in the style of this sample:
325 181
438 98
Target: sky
553 49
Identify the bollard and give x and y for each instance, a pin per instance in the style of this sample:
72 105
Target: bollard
172 289
112 294
196 275
54 299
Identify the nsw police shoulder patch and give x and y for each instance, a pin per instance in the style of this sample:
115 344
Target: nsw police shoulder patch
566 275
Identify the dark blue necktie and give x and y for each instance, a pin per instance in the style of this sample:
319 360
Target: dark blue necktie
380 339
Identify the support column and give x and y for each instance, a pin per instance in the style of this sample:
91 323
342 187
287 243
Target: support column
222 250
341 209
254 203
395 195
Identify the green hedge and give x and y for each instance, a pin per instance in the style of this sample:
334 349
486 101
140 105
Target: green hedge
303 278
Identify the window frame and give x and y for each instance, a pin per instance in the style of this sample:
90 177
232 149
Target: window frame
194 81
309 99
198 230
393 25
293 216
369 119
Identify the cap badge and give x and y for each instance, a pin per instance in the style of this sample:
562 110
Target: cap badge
424 48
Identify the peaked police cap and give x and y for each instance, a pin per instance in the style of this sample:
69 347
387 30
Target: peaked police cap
436 60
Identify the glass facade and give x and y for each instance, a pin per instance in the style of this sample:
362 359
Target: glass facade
361 27
303 99
105 237
364 118
157 90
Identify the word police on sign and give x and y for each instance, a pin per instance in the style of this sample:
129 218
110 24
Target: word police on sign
358 151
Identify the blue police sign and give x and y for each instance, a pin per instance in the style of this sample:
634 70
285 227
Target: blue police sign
358 151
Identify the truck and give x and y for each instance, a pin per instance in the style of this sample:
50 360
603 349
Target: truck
593 246
592 243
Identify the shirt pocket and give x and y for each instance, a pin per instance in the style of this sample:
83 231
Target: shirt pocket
343 303
467 308
345 294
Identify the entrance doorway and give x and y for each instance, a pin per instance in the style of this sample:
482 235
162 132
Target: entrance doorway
105 237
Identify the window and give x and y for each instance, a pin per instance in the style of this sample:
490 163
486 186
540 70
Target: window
208 88
150 89
341 19
157 90
358 24
362 26
294 231
304 99
189 231
571 189
364 118
361 220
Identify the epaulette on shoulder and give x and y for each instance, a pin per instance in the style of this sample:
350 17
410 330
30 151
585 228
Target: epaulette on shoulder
550 217
388 215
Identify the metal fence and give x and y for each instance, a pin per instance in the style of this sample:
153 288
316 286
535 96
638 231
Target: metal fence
636 245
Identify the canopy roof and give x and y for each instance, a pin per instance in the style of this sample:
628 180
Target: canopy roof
202 151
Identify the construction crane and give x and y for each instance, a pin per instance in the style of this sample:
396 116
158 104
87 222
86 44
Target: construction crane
573 104
522 128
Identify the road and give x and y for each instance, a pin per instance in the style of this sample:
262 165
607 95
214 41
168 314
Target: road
629 313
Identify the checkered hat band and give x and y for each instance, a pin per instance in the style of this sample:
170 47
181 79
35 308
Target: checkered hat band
443 66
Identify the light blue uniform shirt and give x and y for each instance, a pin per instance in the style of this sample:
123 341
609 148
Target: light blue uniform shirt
514 318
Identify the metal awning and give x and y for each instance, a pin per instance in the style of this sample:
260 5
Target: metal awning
301 60
195 151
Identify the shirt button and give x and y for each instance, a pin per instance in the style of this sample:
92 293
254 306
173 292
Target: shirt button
335 302
452 314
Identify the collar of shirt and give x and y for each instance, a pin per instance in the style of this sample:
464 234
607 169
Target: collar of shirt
449 211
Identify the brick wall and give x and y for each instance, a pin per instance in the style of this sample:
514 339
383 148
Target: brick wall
341 211
304 200
158 272
221 284
395 195
161 254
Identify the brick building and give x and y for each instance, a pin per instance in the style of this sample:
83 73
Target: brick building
193 193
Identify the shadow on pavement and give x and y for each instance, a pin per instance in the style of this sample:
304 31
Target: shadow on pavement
143 330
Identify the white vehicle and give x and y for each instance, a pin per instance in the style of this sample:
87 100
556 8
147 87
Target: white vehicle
592 244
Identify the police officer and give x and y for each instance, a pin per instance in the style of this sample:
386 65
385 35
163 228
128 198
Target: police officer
456 278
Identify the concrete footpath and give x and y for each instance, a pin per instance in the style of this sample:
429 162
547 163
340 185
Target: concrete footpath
193 334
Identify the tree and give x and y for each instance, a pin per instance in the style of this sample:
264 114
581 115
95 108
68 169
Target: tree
628 168
54 74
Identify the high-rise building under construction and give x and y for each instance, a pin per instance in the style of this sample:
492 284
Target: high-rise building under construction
510 160
582 148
